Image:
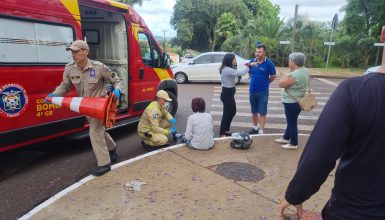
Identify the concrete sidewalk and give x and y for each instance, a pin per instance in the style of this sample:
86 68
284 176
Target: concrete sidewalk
180 183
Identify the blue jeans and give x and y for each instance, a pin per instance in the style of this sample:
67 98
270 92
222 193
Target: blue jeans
292 111
258 102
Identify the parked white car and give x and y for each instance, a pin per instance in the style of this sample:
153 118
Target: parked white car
204 67
187 58
372 69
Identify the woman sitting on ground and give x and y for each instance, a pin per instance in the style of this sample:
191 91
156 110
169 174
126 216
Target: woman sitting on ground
200 127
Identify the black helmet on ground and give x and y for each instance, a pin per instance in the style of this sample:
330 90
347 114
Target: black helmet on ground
241 140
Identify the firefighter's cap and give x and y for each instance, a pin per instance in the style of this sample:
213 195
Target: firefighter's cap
163 95
77 45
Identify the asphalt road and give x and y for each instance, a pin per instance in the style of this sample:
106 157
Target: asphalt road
35 173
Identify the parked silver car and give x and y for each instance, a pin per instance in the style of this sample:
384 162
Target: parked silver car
204 67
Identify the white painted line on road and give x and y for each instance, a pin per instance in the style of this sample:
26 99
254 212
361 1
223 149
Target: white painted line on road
270 102
270 96
269 108
244 114
268 125
328 82
247 88
279 92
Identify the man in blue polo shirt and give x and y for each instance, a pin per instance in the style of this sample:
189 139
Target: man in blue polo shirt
262 72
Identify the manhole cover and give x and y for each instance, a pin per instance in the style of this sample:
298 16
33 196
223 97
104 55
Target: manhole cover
240 171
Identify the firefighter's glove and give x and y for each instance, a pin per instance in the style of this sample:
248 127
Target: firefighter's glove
49 95
117 93
173 130
173 121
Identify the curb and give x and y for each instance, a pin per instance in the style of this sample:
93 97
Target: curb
333 76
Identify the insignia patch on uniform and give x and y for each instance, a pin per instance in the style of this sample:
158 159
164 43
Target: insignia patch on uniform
107 68
109 71
155 116
92 73
112 74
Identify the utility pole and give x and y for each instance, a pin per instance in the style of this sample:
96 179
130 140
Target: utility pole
164 40
334 26
294 27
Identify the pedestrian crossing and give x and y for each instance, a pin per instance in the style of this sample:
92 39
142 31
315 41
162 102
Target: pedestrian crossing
276 119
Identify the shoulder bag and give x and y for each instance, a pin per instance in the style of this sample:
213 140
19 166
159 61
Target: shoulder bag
308 102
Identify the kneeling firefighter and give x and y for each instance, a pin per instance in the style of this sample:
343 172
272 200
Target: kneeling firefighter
156 122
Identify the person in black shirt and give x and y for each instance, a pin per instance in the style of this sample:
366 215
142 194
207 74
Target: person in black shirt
351 128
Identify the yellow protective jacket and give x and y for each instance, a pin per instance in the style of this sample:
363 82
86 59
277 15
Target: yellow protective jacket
149 122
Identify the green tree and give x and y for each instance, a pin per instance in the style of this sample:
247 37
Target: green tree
363 16
267 10
262 8
233 44
272 28
344 44
362 23
261 28
203 15
309 39
226 26
185 35
252 5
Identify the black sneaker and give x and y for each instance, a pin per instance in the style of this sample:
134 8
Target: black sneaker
178 138
148 147
102 170
228 133
164 145
253 131
113 156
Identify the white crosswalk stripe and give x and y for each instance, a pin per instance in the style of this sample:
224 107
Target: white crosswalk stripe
244 114
220 106
275 92
271 102
279 97
276 121
268 125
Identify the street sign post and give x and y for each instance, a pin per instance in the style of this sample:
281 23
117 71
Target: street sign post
378 45
283 42
330 43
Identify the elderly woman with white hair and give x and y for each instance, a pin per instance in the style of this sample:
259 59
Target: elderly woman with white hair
294 85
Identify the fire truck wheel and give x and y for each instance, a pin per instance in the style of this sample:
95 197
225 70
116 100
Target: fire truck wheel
172 106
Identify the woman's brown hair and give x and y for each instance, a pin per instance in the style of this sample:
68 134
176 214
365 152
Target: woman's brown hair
198 105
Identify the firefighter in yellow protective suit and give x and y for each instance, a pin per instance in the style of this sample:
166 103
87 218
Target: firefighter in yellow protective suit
156 122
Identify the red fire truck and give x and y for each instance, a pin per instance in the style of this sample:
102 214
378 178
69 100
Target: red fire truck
33 38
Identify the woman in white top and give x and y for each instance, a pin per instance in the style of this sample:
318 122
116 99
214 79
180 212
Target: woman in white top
200 127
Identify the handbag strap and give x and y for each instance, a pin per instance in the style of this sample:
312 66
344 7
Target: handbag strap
308 89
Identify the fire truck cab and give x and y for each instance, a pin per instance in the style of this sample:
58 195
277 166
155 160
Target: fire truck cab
33 40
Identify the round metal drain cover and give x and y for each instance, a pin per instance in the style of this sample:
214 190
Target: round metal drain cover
240 171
